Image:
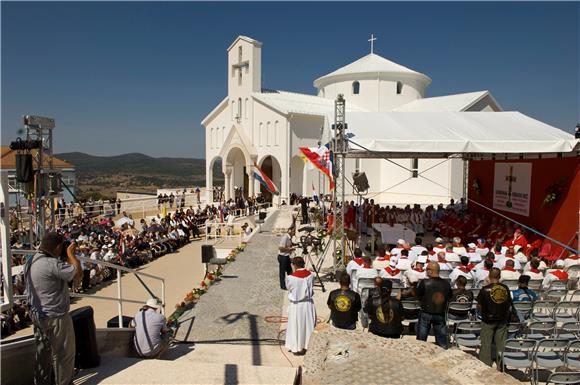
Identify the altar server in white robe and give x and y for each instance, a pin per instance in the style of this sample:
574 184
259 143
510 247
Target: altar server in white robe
301 310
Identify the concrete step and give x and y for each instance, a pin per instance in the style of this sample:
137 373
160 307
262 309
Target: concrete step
123 370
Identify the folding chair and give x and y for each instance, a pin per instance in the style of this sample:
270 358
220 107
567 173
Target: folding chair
569 331
543 311
557 294
572 358
539 330
564 378
467 334
458 307
364 317
524 309
535 284
512 284
566 311
558 285
397 286
518 354
444 274
575 295
549 355
411 307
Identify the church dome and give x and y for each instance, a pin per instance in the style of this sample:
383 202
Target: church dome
371 64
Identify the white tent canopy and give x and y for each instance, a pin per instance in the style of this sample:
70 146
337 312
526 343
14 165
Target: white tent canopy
440 134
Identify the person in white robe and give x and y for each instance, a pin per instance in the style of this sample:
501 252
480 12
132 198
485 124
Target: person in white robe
301 310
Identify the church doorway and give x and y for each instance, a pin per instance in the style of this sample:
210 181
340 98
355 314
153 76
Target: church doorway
272 169
239 179
215 179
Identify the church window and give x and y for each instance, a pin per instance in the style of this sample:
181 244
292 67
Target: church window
399 88
239 108
211 138
233 109
275 133
268 134
355 87
414 168
246 109
260 134
223 135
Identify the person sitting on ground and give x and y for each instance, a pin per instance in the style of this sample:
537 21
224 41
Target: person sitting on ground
152 336
509 272
462 295
523 293
464 269
385 312
344 305
558 274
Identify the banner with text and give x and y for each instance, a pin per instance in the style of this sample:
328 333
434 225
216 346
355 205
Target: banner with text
511 187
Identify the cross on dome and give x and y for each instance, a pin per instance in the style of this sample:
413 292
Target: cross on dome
372 40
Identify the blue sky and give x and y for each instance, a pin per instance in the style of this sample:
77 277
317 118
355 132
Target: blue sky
140 77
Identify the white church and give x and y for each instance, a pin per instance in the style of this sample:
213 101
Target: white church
252 124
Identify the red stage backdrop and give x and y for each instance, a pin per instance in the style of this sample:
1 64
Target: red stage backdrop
559 177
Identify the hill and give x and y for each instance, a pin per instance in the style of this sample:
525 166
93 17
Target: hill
105 175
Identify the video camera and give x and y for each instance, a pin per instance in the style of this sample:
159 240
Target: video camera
308 239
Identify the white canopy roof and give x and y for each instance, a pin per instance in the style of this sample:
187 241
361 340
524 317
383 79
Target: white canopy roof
440 134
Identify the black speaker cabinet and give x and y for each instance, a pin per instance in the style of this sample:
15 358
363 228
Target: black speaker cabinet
262 215
24 170
207 253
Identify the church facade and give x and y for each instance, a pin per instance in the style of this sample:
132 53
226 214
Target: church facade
252 126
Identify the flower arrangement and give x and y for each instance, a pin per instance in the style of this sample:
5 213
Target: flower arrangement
193 296
555 191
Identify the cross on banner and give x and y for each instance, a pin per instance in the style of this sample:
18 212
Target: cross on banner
510 179
372 40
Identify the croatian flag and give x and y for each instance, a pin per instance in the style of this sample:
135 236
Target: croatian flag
319 162
264 180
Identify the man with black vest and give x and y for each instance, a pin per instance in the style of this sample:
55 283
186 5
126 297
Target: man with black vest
434 294
494 302
344 305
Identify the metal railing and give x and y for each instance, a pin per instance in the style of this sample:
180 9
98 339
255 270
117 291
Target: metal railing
119 299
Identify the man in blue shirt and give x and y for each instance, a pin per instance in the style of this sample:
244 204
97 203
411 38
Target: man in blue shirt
523 294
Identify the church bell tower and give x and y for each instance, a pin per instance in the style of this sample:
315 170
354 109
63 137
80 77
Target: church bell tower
244 72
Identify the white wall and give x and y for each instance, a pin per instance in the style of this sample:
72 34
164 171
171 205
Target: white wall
377 92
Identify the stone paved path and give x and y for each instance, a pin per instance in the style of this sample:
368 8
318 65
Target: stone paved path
235 309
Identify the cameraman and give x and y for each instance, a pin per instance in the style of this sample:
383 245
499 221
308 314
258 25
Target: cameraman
47 277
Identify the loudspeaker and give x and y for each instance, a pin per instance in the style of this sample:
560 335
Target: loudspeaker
24 171
207 253
360 181
87 352
262 215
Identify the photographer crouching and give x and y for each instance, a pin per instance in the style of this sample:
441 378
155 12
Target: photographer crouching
47 274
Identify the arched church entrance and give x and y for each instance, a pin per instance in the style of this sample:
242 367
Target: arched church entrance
236 165
215 179
297 175
271 167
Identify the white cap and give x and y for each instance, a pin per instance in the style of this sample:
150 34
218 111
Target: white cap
153 302
471 245
401 241
438 240
559 263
